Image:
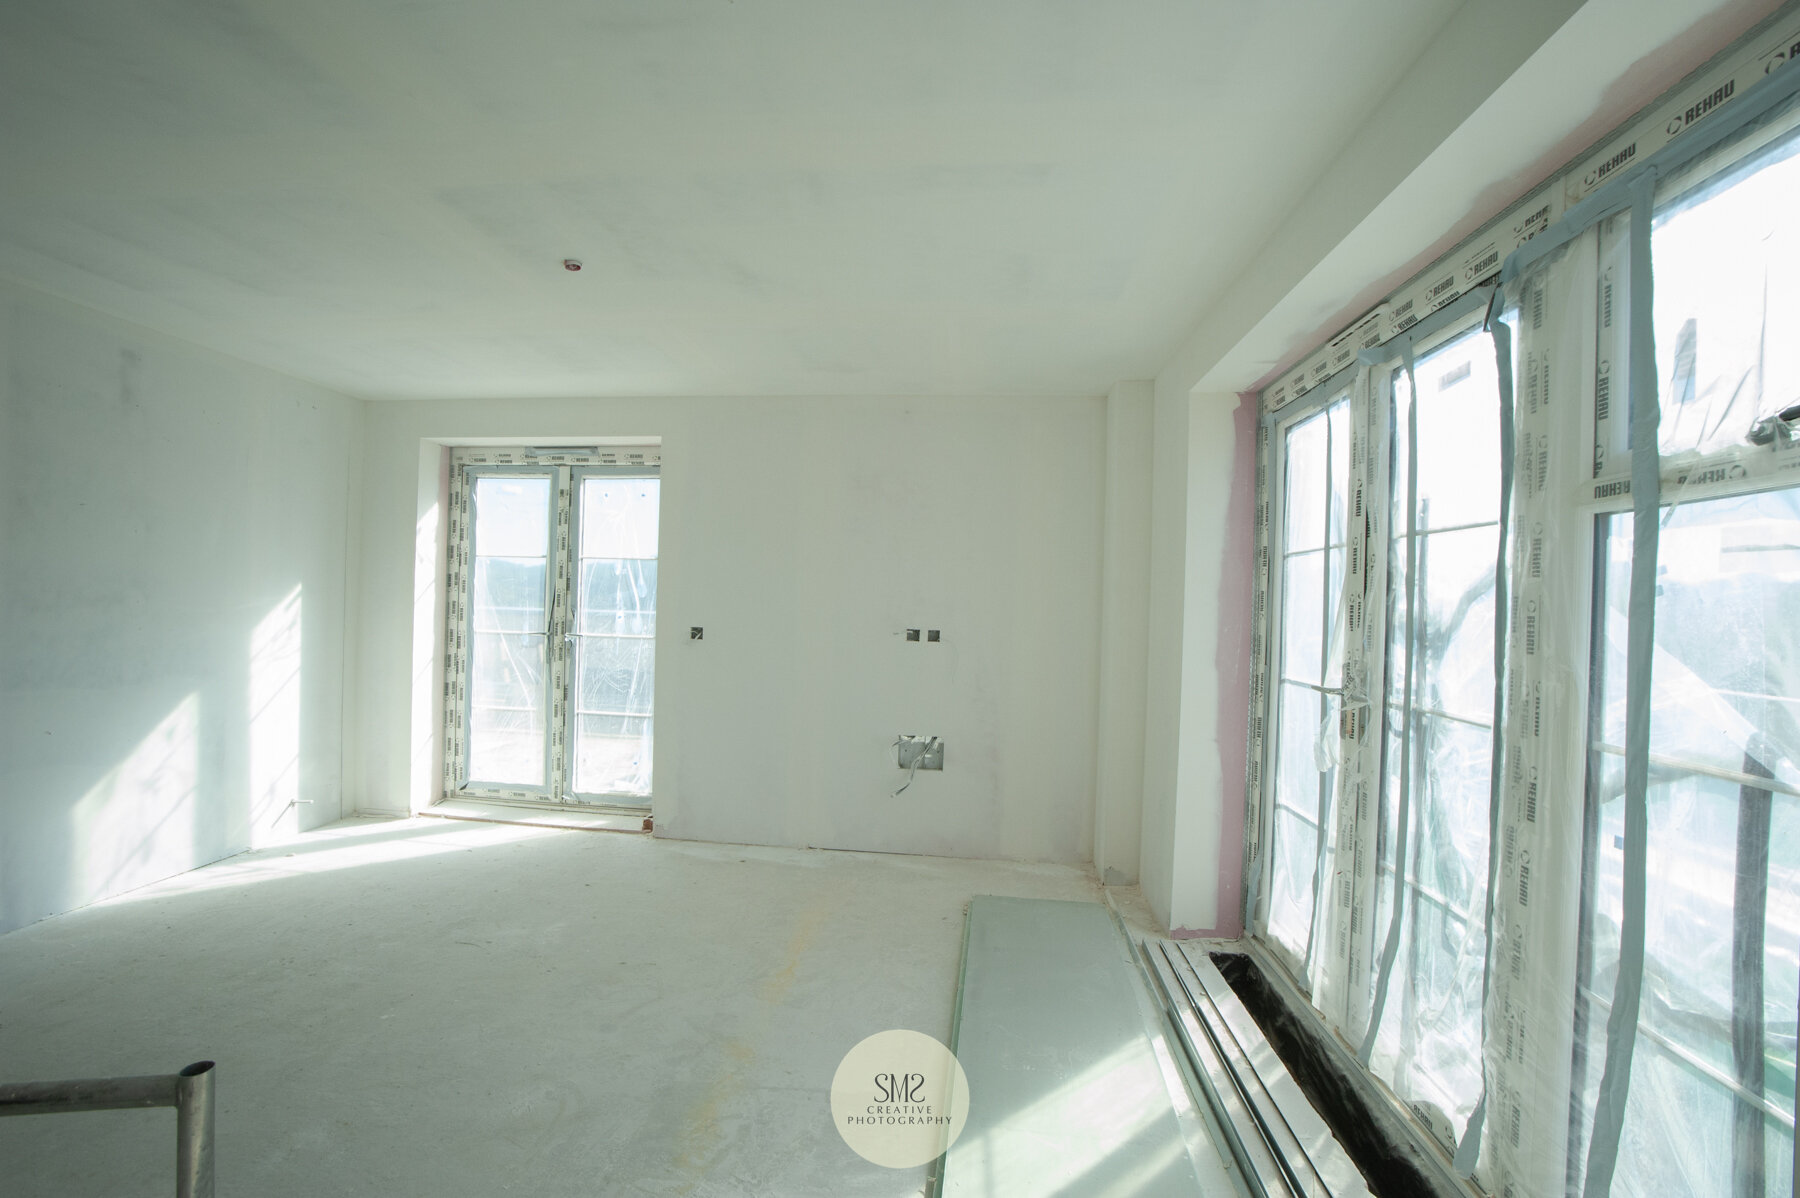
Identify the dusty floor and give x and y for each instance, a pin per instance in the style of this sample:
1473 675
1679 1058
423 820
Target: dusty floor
441 1008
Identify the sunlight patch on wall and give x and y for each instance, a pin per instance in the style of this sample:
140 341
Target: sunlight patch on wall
275 723
136 825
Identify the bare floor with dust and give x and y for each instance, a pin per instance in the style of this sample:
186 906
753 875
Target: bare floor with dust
427 1007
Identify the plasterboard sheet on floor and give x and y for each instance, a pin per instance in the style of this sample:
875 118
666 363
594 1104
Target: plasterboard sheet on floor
1072 1089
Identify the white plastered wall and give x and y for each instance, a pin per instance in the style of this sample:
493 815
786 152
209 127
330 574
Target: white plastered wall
1124 609
172 576
1190 865
804 535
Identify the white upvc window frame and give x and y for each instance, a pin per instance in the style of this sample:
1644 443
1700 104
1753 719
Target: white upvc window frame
566 470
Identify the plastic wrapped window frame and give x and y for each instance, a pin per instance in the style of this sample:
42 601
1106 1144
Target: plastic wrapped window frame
1272 435
1359 381
566 467
1632 191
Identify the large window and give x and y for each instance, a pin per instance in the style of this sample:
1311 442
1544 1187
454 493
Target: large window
552 633
1528 762
1711 1103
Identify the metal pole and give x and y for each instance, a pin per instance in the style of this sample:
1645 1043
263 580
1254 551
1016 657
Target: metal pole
194 1131
190 1092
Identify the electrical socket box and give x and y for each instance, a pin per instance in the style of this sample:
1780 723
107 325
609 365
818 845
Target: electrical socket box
926 751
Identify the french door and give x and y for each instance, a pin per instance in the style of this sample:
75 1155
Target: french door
551 627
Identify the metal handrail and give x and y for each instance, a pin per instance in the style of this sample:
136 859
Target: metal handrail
190 1092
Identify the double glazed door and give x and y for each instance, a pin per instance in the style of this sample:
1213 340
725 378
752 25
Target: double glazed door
552 632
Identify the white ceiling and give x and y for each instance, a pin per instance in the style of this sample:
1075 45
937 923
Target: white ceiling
769 197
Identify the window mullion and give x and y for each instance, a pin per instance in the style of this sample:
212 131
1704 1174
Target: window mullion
561 631
1346 913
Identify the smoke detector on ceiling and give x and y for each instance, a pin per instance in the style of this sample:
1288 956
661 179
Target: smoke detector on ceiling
571 263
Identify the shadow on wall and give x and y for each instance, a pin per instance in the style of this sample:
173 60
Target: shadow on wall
219 770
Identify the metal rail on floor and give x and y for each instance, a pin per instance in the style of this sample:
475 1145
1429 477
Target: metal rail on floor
190 1092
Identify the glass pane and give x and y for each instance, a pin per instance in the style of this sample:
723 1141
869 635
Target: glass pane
1453 634
618 596
1294 851
509 594
615 670
615 675
1303 613
1339 416
1334 583
1459 435
507 716
1713 1069
1428 1048
1290 901
612 755
1317 466
512 516
508 708
1727 268
1429 1042
619 517
1304 514
1726 670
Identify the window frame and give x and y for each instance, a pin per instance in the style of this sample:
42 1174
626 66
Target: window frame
565 469
1323 400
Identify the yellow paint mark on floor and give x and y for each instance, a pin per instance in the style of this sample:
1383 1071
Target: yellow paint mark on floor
701 1138
776 987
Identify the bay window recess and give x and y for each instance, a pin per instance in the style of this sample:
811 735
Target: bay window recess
1525 784
551 626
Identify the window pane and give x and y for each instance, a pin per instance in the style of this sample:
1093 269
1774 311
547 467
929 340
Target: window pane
612 755
1725 689
1307 481
507 709
1459 435
509 594
618 596
508 697
1727 267
614 698
615 669
1291 901
619 517
512 516
615 675
1303 612
1295 848
1428 1047
1453 625
1311 559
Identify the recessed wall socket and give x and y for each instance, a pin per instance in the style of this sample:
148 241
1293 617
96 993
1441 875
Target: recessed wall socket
696 633
912 634
932 635
926 751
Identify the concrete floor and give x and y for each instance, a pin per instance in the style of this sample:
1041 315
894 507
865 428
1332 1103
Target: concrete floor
440 1008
